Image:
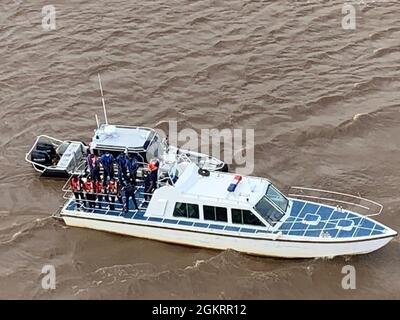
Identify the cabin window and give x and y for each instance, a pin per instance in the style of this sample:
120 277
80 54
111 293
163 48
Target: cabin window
215 213
237 216
245 217
186 210
209 213
268 211
192 210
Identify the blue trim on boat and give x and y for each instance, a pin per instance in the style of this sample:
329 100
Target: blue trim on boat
185 223
170 221
216 226
201 225
231 228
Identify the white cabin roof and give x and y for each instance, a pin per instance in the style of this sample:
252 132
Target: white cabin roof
215 187
121 137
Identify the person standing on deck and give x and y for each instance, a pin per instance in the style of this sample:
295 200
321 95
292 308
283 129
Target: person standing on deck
93 165
77 189
122 162
89 191
133 166
107 161
113 192
98 187
129 191
150 182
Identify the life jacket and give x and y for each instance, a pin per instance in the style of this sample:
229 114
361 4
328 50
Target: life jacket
113 186
75 185
88 186
99 187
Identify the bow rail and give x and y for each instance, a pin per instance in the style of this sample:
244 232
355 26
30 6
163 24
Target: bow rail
368 207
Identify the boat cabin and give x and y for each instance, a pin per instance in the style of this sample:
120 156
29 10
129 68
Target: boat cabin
146 144
222 198
143 142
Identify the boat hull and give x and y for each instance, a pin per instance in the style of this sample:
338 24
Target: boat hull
284 248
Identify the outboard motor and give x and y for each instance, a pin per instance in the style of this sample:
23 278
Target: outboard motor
41 157
48 148
225 168
43 154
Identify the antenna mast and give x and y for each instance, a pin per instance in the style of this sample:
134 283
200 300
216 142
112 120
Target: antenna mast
102 100
97 121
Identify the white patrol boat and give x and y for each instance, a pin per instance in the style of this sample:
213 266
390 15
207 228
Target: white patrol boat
224 211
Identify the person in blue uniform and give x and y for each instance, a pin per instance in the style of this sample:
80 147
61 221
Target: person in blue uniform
133 166
122 162
129 192
107 161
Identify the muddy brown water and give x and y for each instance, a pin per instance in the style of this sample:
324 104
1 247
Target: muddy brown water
287 69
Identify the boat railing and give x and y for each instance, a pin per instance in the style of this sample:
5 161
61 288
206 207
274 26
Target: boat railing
135 127
102 207
342 201
83 203
182 156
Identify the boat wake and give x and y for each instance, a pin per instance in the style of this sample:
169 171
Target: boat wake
20 231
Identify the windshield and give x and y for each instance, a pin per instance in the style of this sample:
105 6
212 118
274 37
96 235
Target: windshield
268 211
277 198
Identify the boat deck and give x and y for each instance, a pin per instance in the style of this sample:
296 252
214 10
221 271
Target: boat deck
306 219
315 220
131 214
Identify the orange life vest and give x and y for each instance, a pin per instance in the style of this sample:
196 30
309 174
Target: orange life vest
113 187
75 185
99 187
89 186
